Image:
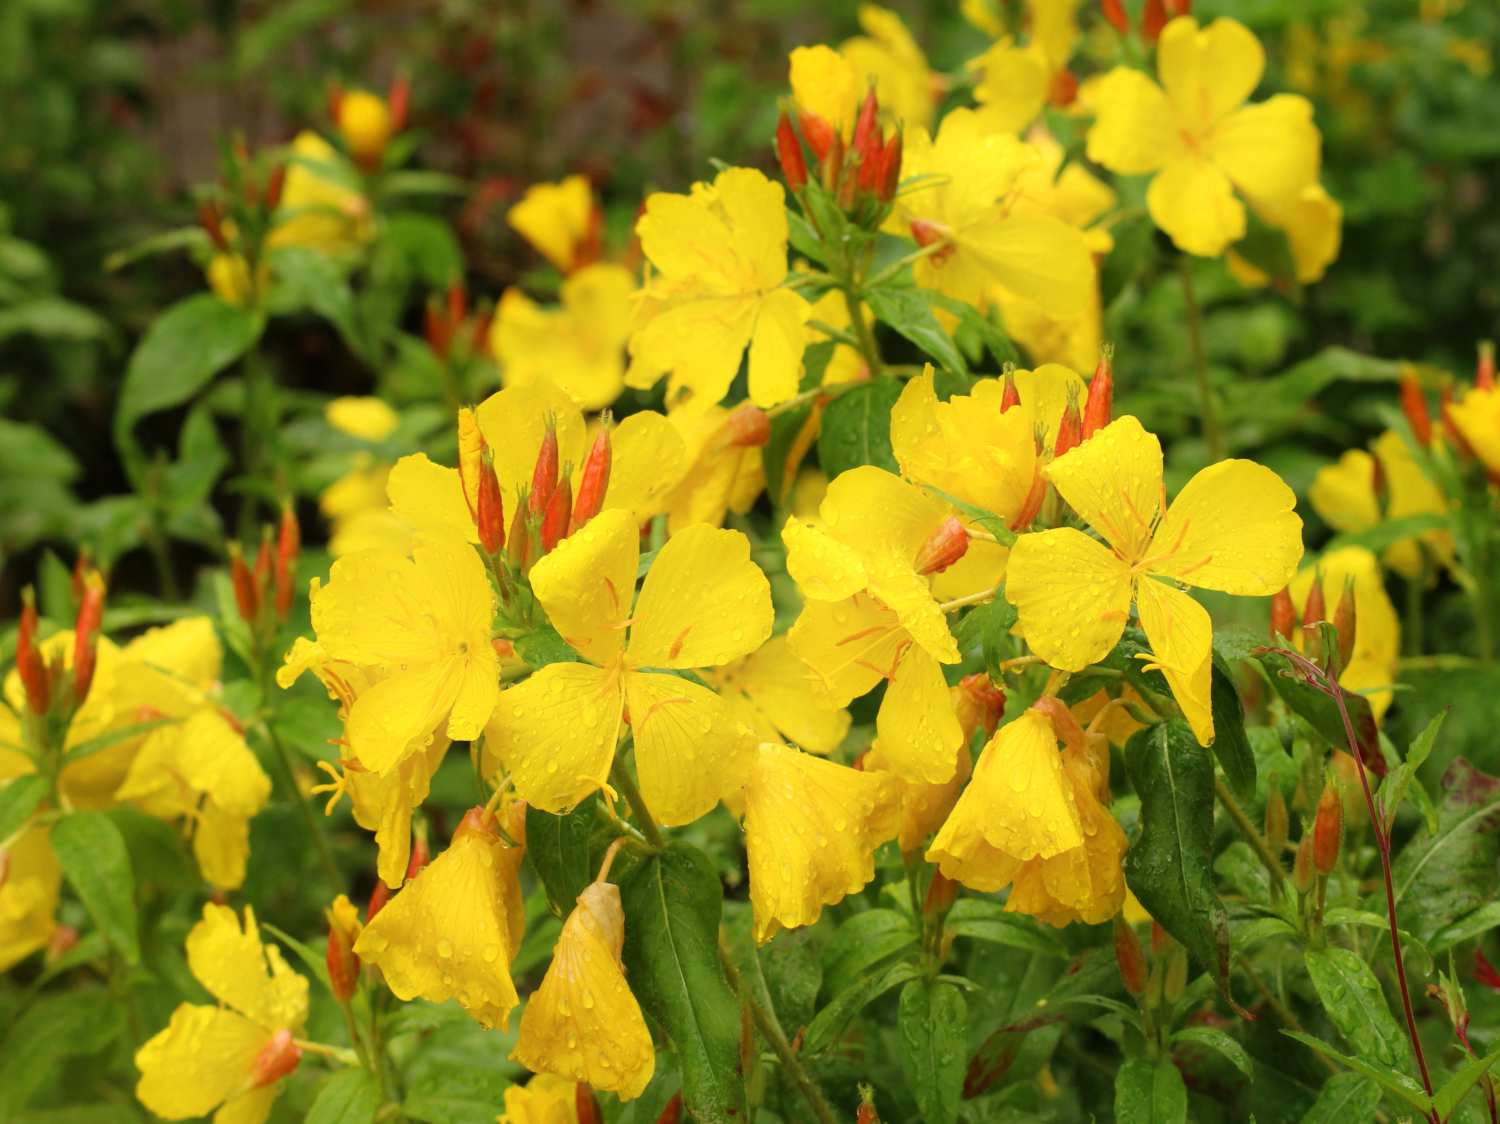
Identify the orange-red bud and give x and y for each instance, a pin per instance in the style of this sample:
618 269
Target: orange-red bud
208 219
1062 91
245 596
335 101
593 481
29 664
277 1058
890 169
1345 623
64 938
555 518
1328 830
1316 609
789 153
866 139
343 965
746 427
672 1114
419 853
288 546
1100 394
1114 12
831 163
925 232
458 303
1283 615
1414 406
586 1105
436 328
378 897
544 475
1484 370
943 547
818 133
1069 430
1153 19
981 704
1130 957
398 102
940 894
86 636
489 517
519 539
1032 503
275 183
1161 941
479 330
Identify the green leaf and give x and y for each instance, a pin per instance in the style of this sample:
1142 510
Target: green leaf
673 903
30 452
864 941
1383 535
1320 710
909 311
348 1097
1351 995
308 279
987 627
1464 1078
984 920
58 1026
52 318
1149 1093
1344 1098
934 1023
1482 920
856 428
1231 743
92 853
829 1023
560 852
1170 863
1393 788
18 800
184 348
1219 1042
545 646
1391 1081
1443 875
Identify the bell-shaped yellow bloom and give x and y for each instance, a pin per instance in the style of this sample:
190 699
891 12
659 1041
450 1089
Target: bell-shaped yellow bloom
1231 529
1477 416
922 806
967 206
201 772
703 604
28 894
317 210
583 1023
579 345
774 696
721 476
545 1099
449 933
811 830
227 1056
1199 139
560 220
1313 222
1371 669
720 259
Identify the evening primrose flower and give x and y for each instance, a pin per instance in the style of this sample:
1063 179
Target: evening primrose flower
1313 223
720 260
966 205
773 694
1232 529
200 771
362 416
811 830
830 84
721 473
579 345
921 807
545 1099
1371 668
1199 140
28 894
703 604
561 220
233 1055
1477 416
583 1022
449 933
317 208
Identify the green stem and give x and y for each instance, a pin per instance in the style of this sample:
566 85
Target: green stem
1213 437
623 781
901 263
304 806
862 331
1252 835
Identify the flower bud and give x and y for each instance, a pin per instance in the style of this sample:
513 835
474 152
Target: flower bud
1344 622
1484 370
1277 822
1161 940
335 101
940 894
438 331
831 164
378 897
244 584
1114 12
1100 394
1328 830
29 665
364 122
1011 395
979 704
789 153
890 169
1302 868
747 427
64 939
1414 406
479 329
277 1058
1062 91
1070 429
1033 501
867 125
489 516
943 547
288 546
1130 958
866 1113
818 133
419 852
1485 972
519 552
86 636
586 1105
275 184
343 965
1175 982
672 1114
398 101
544 475
1153 19
458 302
1316 609
208 219
1283 615
593 481
555 518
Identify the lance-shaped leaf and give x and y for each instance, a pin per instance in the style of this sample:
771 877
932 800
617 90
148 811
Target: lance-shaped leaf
1150 1093
934 1022
1351 995
1442 875
1231 743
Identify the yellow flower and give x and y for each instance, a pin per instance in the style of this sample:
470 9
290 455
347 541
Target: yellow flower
232 1055
922 807
364 121
366 418
1197 137
579 345
773 694
545 1099
560 220
202 772
1313 221
720 476
887 54
582 1022
1232 529
1014 81
1477 416
229 278
317 209
703 604
28 894
811 830
423 625
1371 669
969 207
720 257
449 933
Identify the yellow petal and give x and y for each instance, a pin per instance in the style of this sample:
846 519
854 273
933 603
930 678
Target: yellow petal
1012 87
783 698
824 83
368 418
689 750
701 341
583 1023
888 55
1232 528
202 1057
188 649
1072 596
923 807
585 584
245 974
1377 632
555 732
397 718
1270 151
1086 884
648 460
29 894
1036 256
1181 637
384 804
555 217
1114 482
513 423
1209 72
776 347
1045 394
811 829
221 846
823 568
703 602
1313 223
1477 416
916 723
1135 131
1194 202
545 1099
1409 491
851 645
1343 493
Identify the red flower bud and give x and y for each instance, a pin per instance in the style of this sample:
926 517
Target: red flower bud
544 475
672 1114
29 664
1063 89
1153 19
277 1058
746 427
208 219
831 164
398 102
86 636
458 303
1130 957
263 561
343 965
1161 941
1414 406
1316 609
1484 371
818 134
1070 429
519 538
437 329
593 481
1180 8
555 518
890 169
1011 395
246 596
586 1105
943 547
867 140
1032 503
789 153
982 706
479 333
1114 12
1100 394
940 894
490 516
419 853
866 1113
288 545
1283 615
1345 623
378 897
925 232
1328 830
274 186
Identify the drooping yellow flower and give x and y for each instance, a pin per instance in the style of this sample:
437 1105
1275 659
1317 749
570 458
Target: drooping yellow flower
579 345
703 604
318 210
721 475
811 830
1477 416
201 772
720 260
1199 139
969 207
773 694
545 1099
1371 669
28 894
1232 529
233 1055
1313 223
422 624
583 1022
560 220
449 933
922 807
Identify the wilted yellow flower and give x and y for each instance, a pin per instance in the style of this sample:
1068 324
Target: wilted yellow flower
811 830
773 694
28 894
448 933
722 475
233 1055
579 345
200 771
1199 139
1232 529
582 1022
545 1099
1371 669
720 257
1477 416
318 210
561 221
703 604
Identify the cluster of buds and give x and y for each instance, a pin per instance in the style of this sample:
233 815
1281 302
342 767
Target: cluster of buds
454 335
56 688
860 177
263 591
1318 849
1155 15
1315 624
1152 982
366 122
